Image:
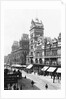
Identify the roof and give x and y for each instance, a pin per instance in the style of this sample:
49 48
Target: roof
36 23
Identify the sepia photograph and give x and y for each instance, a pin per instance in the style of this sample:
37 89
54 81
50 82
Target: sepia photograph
31 46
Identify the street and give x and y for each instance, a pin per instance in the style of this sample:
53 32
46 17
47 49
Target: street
41 81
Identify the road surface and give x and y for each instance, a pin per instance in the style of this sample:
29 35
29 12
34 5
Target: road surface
41 81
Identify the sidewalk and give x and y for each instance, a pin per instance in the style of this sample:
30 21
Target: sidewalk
48 79
26 84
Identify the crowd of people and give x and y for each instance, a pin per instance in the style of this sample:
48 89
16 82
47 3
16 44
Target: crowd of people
13 86
11 79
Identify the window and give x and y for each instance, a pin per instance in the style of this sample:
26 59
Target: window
31 47
40 60
28 59
54 52
36 60
32 53
47 62
31 41
31 61
54 63
32 35
59 51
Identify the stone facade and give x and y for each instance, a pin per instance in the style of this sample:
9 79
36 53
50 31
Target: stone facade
52 52
15 46
36 52
19 51
43 51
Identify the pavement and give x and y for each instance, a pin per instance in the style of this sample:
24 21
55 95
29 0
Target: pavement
23 84
26 84
41 81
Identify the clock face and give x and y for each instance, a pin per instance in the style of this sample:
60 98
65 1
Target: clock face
39 41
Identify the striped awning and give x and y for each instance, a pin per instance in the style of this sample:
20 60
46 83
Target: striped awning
16 65
51 69
58 70
29 66
44 68
23 65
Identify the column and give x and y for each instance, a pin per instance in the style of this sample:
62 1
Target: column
33 60
43 60
38 60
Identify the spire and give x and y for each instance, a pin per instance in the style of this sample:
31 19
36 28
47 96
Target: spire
36 20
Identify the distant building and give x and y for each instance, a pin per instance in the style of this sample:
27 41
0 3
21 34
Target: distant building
7 59
24 42
15 45
20 50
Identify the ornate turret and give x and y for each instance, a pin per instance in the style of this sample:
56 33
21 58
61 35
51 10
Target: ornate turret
36 24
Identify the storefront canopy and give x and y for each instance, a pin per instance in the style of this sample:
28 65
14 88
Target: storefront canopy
58 70
29 66
44 68
24 66
51 69
16 65
6 64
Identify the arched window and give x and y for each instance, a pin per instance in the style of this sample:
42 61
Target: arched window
40 61
36 60
31 60
28 59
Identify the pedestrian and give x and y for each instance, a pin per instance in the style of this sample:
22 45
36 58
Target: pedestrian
46 86
9 87
53 79
14 87
21 87
32 83
25 77
17 88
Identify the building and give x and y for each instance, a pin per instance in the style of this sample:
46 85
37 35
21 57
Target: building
24 42
15 45
7 59
20 50
43 52
24 45
36 51
52 55
52 52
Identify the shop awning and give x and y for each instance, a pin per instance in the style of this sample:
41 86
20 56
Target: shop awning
29 66
44 68
16 65
58 70
6 64
24 66
51 69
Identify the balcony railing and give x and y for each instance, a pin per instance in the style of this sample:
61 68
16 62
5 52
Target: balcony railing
52 56
51 64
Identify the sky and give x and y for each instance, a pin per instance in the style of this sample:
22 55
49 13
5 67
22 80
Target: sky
18 21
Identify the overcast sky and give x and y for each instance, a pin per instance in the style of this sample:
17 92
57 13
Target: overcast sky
18 21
